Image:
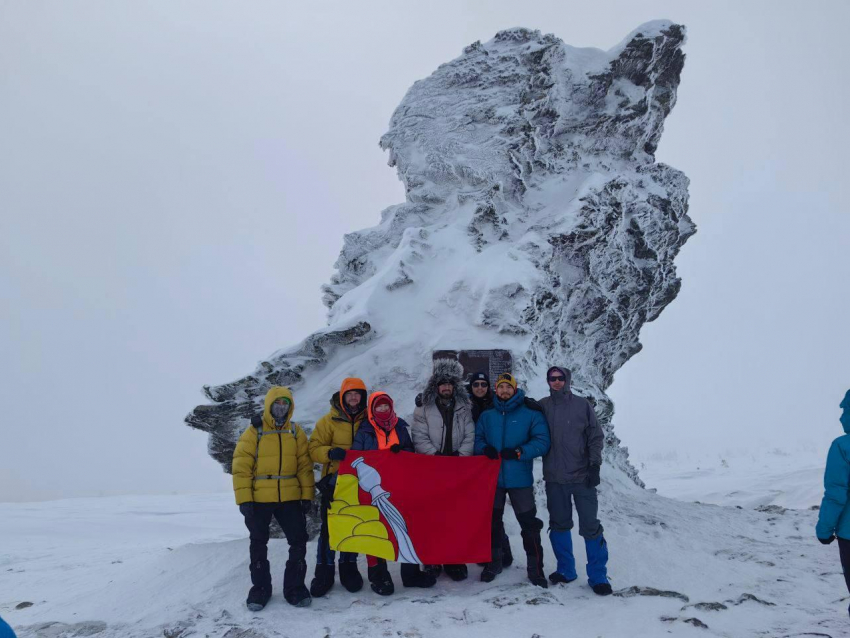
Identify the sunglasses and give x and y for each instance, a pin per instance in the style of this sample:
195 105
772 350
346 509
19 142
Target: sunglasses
480 384
557 378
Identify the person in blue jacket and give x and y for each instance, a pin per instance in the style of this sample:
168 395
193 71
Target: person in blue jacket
834 516
517 434
6 630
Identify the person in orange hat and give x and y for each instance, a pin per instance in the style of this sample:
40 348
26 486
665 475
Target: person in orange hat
329 441
386 431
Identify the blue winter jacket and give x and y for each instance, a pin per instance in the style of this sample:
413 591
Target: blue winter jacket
365 438
834 516
6 630
510 424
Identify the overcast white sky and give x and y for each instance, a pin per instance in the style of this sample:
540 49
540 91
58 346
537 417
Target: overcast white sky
176 178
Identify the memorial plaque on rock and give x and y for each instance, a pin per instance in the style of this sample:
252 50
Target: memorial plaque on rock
493 362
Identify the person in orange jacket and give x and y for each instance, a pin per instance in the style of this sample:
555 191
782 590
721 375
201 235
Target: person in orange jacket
329 441
386 431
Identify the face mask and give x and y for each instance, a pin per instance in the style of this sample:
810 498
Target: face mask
279 412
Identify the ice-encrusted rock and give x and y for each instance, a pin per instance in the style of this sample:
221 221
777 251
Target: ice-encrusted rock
536 220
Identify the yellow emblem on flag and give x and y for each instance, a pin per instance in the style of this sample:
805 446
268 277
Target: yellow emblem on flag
357 528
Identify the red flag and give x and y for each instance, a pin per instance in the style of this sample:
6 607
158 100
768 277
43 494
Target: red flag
414 508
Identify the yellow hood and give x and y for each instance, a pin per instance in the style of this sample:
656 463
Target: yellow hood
275 393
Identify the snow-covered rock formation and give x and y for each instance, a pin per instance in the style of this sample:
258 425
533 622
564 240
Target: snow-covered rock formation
536 220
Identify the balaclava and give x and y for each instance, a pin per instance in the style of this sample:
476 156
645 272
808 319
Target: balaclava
385 421
279 412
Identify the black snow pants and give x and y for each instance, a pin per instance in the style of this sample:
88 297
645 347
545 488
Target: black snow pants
290 516
844 550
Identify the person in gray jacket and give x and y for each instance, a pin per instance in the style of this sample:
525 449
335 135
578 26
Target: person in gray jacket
571 471
443 426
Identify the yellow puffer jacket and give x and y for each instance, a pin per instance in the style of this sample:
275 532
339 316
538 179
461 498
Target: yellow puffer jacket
336 428
273 465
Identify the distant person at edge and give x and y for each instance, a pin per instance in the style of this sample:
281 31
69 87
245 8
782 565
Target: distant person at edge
6 630
571 473
517 434
273 476
834 516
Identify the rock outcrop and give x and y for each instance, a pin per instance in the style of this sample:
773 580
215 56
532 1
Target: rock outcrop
536 220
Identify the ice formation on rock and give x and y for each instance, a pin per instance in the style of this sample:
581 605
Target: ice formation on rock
536 220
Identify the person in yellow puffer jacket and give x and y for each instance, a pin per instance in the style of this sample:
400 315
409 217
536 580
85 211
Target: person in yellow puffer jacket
273 476
329 441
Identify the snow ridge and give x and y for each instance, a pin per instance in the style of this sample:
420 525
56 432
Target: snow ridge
536 220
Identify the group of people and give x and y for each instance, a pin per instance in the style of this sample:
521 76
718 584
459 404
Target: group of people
273 475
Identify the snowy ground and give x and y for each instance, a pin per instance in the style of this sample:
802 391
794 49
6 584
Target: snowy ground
175 566
776 477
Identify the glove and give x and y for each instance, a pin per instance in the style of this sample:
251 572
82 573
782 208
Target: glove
510 454
257 421
827 541
395 448
306 506
336 454
418 400
247 509
592 479
490 452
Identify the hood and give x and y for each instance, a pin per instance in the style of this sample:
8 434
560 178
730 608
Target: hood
275 393
350 383
372 398
845 416
446 369
511 404
566 372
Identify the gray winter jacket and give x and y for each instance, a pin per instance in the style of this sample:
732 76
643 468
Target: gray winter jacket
577 438
429 431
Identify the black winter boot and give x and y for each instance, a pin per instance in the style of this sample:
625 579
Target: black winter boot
557 577
261 579
258 597
602 589
294 591
323 580
507 554
434 570
350 576
459 572
493 568
380 580
413 576
531 526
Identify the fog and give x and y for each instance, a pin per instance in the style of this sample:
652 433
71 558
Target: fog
176 179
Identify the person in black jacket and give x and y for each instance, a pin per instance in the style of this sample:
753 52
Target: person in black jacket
480 394
383 430
482 400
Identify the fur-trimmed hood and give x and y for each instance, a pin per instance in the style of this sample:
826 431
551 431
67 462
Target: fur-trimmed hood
446 369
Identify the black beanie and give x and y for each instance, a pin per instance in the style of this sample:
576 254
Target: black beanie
479 376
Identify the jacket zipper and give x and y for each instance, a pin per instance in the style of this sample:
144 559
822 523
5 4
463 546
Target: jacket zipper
279 465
